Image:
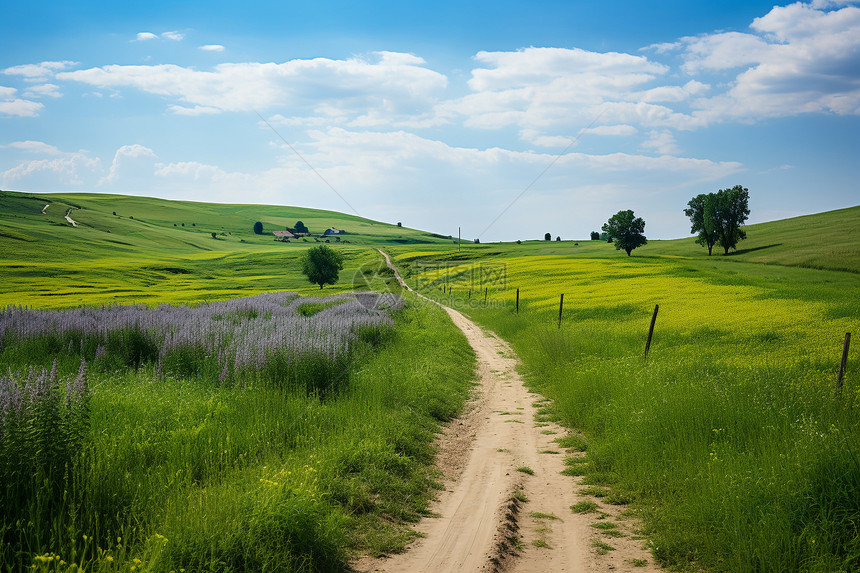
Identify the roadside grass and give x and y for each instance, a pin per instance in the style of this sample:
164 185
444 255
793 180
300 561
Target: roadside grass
181 474
730 439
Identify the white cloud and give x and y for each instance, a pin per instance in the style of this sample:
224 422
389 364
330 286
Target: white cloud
38 72
212 48
619 130
196 110
143 36
173 35
550 93
801 59
11 105
59 169
662 142
37 147
398 86
43 90
130 165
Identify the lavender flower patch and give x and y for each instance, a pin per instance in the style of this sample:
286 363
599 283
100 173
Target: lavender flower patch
230 341
44 421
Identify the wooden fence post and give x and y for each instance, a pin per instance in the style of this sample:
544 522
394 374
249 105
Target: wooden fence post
470 294
518 301
651 330
560 306
486 292
844 362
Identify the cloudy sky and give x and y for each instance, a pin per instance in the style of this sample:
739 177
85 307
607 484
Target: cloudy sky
509 119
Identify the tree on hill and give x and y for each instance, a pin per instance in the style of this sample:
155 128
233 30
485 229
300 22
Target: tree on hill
300 228
547 237
322 265
703 219
731 210
258 228
595 236
626 230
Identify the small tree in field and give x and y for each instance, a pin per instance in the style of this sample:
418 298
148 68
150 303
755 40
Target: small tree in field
731 211
703 219
595 236
322 265
626 230
547 237
258 228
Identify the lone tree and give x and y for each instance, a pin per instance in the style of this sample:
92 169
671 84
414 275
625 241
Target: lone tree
258 228
731 209
322 265
718 217
626 230
595 236
300 228
703 218
547 237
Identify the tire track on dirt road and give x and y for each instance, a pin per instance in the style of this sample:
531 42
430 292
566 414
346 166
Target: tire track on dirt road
479 525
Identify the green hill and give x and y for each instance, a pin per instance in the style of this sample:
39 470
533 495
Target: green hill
138 249
827 241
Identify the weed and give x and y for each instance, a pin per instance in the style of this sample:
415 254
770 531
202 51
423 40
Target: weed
601 547
539 515
526 470
584 507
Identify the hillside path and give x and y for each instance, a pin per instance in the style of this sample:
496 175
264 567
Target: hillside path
479 455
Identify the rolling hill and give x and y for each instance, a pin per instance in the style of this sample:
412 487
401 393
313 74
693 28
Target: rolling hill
128 249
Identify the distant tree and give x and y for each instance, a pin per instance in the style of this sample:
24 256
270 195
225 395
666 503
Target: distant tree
300 228
605 237
595 236
730 212
399 224
213 235
702 213
477 241
322 265
626 230
558 238
258 228
547 237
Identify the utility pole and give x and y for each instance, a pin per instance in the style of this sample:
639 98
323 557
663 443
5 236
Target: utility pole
458 239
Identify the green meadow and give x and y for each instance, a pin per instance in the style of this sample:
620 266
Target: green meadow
732 441
184 446
155 250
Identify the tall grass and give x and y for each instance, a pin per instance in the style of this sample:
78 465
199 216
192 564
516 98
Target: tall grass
189 472
731 438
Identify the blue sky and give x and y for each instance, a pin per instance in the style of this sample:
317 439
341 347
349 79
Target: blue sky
508 119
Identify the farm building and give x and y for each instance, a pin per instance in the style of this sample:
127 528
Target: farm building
283 235
332 231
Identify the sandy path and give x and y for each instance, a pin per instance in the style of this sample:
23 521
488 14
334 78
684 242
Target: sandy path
70 220
480 454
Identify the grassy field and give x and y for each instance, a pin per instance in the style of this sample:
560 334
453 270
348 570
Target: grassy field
196 444
179 464
155 251
731 440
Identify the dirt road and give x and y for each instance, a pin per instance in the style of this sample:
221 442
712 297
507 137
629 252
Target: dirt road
494 451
